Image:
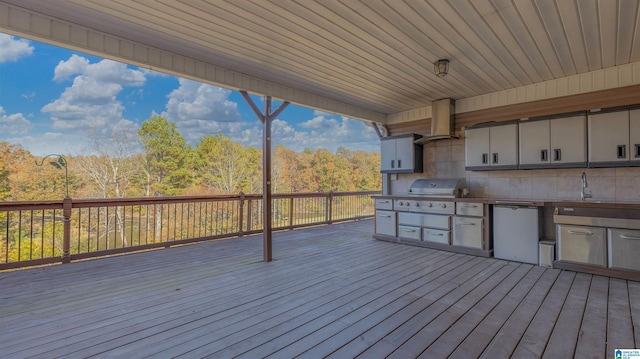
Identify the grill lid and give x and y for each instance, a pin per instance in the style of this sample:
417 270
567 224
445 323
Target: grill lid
438 187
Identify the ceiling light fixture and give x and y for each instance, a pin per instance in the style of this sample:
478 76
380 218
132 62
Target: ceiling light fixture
441 67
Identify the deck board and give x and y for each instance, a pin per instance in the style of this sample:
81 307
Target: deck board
331 291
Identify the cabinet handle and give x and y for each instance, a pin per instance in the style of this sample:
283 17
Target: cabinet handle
393 163
544 155
384 201
495 158
581 233
408 230
399 163
485 158
624 236
637 150
467 224
385 215
557 154
435 234
468 206
622 151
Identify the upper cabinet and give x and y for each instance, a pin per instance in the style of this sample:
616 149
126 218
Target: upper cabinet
400 154
614 139
492 146
553 142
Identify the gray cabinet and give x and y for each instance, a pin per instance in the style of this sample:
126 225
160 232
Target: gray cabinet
553 142
492 147
609 139
623 248
582 244
399 154
386 223
614 139
468 232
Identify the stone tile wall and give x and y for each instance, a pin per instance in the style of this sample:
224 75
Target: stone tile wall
445 159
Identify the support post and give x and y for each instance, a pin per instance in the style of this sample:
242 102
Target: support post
66 233
266 118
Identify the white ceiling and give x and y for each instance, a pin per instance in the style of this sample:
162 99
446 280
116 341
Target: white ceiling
375 54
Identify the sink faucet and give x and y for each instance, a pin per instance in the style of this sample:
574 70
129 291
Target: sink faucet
586 192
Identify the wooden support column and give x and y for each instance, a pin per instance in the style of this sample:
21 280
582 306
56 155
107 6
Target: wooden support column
266 118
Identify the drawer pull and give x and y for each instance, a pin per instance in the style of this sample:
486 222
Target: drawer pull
467 224
408 230
624 236
435 234
385 215
469 206
581 233
384 201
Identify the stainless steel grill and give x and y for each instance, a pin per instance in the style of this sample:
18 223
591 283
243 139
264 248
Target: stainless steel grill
438 187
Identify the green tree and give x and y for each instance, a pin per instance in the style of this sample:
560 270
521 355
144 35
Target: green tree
226 166
5 188
167 157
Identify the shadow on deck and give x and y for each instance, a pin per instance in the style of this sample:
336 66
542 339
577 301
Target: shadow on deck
330 291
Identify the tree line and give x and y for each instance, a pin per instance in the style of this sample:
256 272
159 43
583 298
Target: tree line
169 166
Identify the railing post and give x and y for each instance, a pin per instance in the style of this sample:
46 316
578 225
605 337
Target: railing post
291 211
241 214
66 234
330 207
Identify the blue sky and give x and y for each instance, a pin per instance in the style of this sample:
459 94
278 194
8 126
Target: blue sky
54 100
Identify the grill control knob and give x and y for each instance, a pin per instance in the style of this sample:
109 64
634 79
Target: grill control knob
417 204
443 205
429 205
400 203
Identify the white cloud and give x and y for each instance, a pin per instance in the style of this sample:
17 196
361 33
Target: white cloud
14 124
12 48
90 102
74 66
200 109
319 132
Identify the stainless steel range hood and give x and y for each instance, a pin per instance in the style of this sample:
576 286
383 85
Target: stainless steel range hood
442 121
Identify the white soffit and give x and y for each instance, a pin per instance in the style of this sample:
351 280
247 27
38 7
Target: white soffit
363 59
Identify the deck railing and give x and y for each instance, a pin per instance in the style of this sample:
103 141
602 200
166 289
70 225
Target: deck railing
44 232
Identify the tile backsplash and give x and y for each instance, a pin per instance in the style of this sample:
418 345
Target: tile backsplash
444 159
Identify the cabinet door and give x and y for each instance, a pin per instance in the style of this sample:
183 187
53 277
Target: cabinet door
405 153
477 148
388 155
634 137
568 141
504 146
623 247
534 142
468 232
386 223
609 139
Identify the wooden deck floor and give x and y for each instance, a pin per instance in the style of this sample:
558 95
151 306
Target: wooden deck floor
331 291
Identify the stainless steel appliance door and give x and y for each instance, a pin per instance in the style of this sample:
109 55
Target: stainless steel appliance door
436 236
516 233
410 232
386 223
582 244
468 232
623 248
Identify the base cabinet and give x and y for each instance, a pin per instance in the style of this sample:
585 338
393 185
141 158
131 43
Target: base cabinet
468 232
386 223
582 244
623 248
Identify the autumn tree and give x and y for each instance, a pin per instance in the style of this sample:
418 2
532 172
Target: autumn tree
5 188
226 166
167 157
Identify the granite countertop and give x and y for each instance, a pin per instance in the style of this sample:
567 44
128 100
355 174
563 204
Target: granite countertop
525 201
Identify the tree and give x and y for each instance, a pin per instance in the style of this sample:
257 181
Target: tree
5 188
226 166
167 157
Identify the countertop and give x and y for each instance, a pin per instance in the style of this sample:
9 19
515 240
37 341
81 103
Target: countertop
524 201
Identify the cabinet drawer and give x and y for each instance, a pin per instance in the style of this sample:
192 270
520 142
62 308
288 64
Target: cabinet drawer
386 223
425 220
582 244
384 204
468 232
623 248
470 209
436 236
409 232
